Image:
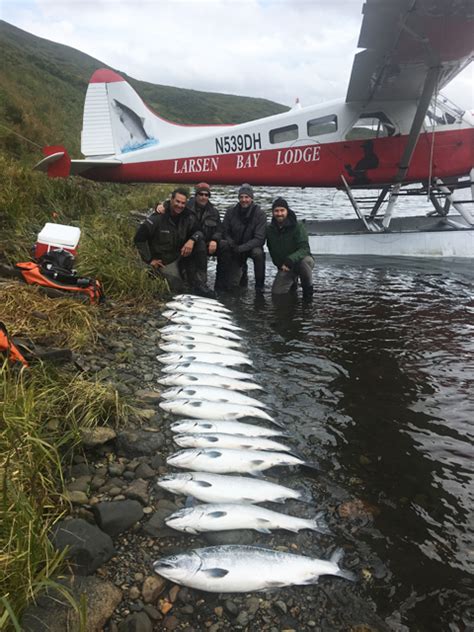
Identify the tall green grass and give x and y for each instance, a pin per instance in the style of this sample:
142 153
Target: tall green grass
41 414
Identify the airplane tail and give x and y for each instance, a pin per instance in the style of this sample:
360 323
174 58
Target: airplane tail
117 121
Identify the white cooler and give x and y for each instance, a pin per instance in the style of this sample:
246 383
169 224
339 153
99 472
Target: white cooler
56 237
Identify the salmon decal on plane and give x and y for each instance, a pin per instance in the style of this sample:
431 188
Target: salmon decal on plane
392 129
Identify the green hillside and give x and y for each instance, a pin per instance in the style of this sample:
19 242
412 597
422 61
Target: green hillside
43 86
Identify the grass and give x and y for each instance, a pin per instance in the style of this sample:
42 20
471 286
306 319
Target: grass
42 412
42 409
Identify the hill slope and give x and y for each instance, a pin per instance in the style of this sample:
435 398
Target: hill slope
43 86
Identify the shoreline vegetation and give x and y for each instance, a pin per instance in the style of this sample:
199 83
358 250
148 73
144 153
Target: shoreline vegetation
45 409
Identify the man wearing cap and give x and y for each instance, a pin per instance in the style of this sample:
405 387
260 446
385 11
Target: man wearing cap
207 216
243 236
172 243
287 242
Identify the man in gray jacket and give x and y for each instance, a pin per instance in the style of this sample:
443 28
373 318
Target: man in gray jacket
243 236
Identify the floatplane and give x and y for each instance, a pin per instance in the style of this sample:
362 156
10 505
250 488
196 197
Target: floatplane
393 135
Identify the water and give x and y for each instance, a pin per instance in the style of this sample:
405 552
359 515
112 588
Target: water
376 378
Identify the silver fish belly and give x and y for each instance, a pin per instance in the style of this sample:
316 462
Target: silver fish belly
211 394
234 568
236 442
195 338
205 368
198 409
197 305
221 488
227 460
184 379
201 329
201 426
208 358
230 516
199 347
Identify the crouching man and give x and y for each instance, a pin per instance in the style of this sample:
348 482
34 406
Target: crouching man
172 244
287 242
243 236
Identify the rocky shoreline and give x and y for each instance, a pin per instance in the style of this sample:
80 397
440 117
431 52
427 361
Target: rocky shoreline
116 527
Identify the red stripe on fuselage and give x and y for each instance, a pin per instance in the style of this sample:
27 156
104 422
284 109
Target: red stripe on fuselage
310 165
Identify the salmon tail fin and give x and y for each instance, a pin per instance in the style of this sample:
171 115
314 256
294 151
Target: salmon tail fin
335 559
319 523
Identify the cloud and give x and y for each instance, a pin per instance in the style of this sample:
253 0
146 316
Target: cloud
275 49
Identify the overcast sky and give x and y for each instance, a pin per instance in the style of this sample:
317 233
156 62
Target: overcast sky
275 49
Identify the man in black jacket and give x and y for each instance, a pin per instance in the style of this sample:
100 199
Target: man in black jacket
207 216
243 236
173 245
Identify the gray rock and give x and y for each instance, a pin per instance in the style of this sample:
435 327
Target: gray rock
81 484
240 536
137 622
116 469
118 516
92 437
77 497
156 526
80 469
89 547
157 461
55 614
138 490
144 471
133 443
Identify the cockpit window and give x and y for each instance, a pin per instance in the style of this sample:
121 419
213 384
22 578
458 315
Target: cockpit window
282 134
443 112
371 125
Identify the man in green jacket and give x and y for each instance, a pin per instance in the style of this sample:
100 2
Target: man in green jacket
287 242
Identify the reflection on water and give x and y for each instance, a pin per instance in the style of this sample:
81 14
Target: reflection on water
316 203
376 378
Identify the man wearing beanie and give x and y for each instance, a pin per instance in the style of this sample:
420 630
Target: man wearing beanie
287 242
243 236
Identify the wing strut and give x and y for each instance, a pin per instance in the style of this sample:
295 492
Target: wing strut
429 88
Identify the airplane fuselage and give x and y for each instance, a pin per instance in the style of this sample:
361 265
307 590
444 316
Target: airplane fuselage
307 147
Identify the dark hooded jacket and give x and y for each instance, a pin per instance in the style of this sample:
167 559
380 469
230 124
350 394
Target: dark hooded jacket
288 243
209 220
161 236
244 229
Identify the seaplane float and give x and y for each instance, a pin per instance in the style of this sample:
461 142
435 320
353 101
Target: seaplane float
394 135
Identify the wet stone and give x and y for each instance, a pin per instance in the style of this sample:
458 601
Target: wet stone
116 517
240 536
116 469
138 490
77 497
144 471
133 443
81 484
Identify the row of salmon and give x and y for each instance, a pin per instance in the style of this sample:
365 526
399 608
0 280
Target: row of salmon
202 348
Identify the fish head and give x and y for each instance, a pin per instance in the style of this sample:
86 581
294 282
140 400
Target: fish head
170 393
178 567
184 440
175 482
182 520
183 426
183 457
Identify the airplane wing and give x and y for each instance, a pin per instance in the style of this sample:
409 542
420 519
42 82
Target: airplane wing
404 40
